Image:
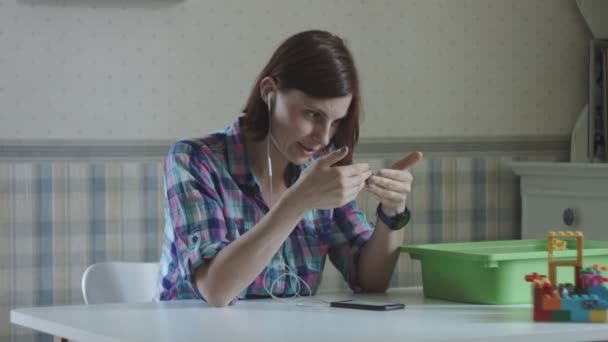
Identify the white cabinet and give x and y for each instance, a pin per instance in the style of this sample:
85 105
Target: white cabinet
563 196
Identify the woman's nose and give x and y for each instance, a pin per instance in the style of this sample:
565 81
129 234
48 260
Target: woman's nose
323 133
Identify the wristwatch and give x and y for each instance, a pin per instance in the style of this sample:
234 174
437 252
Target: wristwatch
394 222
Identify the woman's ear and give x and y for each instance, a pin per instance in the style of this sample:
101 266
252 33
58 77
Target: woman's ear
267 89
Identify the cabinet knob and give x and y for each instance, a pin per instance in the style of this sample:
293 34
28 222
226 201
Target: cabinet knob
568 216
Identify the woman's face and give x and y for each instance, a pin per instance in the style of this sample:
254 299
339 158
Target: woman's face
302 125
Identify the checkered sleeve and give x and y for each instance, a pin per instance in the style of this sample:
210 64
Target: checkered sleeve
194 208
350 232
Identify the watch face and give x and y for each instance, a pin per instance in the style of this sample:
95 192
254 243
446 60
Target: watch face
403 219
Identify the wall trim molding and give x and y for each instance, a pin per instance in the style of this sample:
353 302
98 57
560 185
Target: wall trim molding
85 149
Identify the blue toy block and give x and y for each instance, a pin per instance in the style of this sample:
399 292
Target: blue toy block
579 315
579 306
602 304
601 291
568 302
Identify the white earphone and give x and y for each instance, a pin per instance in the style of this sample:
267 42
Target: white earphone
286 270
269 99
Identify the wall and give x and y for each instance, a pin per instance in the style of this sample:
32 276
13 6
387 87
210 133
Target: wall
163 69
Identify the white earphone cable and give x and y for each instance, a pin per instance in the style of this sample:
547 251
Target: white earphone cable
286 270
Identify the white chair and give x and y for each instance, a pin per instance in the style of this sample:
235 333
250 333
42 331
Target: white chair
120 282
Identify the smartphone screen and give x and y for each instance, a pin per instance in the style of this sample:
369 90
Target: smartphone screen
366 305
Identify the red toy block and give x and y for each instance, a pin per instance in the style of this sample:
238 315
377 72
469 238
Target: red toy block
542 316
534 276
537 295
578 282
548 289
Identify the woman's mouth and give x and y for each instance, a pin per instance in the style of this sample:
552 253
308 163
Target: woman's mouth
306 150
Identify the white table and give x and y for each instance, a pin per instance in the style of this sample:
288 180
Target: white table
271 320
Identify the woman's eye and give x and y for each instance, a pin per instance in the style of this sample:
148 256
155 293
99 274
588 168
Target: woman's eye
313 115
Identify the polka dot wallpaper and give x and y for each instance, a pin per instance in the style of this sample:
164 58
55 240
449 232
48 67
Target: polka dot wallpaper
166 69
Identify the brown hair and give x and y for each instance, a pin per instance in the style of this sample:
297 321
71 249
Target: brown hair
319 64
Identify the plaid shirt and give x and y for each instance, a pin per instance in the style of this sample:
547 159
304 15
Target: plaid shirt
212 197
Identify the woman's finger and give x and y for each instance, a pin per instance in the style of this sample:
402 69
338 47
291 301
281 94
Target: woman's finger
386 195
398 175
384 201
352 170
356 181
389 184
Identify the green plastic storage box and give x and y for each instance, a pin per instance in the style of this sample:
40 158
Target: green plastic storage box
492 272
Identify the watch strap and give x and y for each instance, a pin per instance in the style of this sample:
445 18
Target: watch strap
394 222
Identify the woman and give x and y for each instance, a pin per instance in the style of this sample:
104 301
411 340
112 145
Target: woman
230 223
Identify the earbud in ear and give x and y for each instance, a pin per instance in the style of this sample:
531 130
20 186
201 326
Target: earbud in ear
269 99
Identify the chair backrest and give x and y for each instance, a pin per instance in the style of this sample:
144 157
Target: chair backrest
119 282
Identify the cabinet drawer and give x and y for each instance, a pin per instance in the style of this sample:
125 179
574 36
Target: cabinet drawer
544 211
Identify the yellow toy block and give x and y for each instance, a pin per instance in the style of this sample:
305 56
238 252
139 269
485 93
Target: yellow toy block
560 245
598 316
551 302
568 233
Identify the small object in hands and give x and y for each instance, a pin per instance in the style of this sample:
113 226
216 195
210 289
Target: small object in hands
366 305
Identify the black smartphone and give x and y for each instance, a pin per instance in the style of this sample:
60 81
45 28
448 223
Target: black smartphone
366 305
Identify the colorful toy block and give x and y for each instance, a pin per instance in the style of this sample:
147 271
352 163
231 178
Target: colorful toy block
551 302
598 316
585 301
559 245
543 316
560 316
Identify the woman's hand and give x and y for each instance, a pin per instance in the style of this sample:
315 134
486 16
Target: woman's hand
392 186
323 186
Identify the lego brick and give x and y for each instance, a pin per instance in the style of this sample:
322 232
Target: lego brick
578 283
602 305
569 302
560 316
589 304
599 291
547 289
537 295
542 316
551 302
575 303
597 316
579 315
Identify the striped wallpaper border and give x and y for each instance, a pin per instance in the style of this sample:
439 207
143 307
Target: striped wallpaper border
13 149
